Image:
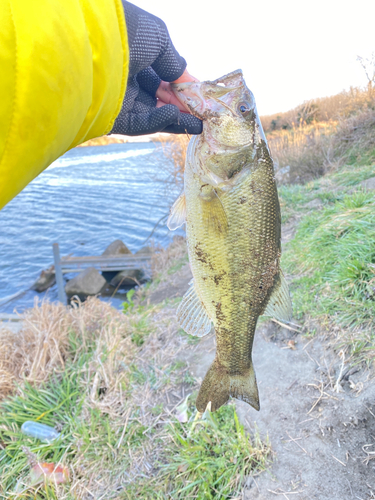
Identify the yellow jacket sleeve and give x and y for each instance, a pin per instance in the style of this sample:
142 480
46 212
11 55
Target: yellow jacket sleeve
63 73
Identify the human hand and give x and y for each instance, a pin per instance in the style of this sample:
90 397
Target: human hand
165 94
150 105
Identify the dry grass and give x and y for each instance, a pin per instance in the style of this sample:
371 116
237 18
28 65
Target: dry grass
174 148
164 259
112 383
44 343
324 109
302 153
307 152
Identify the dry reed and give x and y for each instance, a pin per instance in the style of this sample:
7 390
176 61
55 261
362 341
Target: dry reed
42 346
323 109
174 149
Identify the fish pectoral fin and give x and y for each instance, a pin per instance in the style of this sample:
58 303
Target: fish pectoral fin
177 214
279 305
192 315
218 385
213 214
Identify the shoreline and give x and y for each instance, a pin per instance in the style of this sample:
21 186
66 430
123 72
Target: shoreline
105 140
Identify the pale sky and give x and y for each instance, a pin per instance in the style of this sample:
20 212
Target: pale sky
289 50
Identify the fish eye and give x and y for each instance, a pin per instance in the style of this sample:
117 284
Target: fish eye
244 108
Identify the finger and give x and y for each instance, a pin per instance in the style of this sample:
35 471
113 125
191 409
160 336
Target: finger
186 77
187 124
150 122
166 95
160 103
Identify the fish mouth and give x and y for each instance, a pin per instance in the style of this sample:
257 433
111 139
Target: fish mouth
195 96
189 94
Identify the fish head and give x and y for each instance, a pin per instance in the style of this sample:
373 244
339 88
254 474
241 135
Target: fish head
226 106
231 126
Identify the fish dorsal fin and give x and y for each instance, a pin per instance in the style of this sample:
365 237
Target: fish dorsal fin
177 214
192 315
279 305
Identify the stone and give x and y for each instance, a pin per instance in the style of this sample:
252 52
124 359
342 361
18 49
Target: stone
117 247
88 282
369 183
124 279
46 279
144 251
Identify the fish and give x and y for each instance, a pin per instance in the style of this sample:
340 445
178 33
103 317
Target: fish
233 230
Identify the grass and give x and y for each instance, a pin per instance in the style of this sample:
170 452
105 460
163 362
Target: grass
331 258
305 152
325 109
208 458
213 460
113 387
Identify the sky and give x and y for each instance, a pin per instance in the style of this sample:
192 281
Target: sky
290 51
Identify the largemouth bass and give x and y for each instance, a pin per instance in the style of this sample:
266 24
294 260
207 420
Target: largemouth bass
233 224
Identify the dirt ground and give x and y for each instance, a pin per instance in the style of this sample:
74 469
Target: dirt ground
318 411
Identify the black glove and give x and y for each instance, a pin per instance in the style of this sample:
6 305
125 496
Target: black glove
152 58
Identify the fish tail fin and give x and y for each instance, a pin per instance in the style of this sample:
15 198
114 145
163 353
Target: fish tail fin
244 387
218 385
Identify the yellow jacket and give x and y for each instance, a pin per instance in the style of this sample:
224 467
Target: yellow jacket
63 73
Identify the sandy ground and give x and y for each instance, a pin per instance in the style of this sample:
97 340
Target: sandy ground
323 440
322 432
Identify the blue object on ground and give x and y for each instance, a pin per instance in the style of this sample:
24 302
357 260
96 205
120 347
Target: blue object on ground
39 431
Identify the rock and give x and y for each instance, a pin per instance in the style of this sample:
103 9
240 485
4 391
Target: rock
369 183
117 247
46 279
124 279
144 251
127 278
88 282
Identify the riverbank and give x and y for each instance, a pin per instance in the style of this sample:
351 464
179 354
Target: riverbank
120 387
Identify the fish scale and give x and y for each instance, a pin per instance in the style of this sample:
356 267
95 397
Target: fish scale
233 228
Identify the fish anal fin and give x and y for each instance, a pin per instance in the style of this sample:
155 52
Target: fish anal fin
177 214
218 385
192 315
279 305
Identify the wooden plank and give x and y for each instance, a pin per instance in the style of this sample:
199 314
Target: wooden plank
10 317
99 259
59 276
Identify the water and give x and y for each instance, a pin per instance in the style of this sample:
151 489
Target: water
85 200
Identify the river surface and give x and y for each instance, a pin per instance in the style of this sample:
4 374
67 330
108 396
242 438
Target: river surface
88 198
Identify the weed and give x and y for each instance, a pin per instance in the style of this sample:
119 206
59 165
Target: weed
191 339
129 304
211 459
332 258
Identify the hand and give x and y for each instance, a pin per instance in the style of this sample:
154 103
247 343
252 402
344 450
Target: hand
150 105
165 94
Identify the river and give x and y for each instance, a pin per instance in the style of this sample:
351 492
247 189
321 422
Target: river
86 199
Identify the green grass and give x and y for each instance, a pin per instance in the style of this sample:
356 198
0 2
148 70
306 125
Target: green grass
349 176
57 403
205 459
178 265
332 260
120 437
